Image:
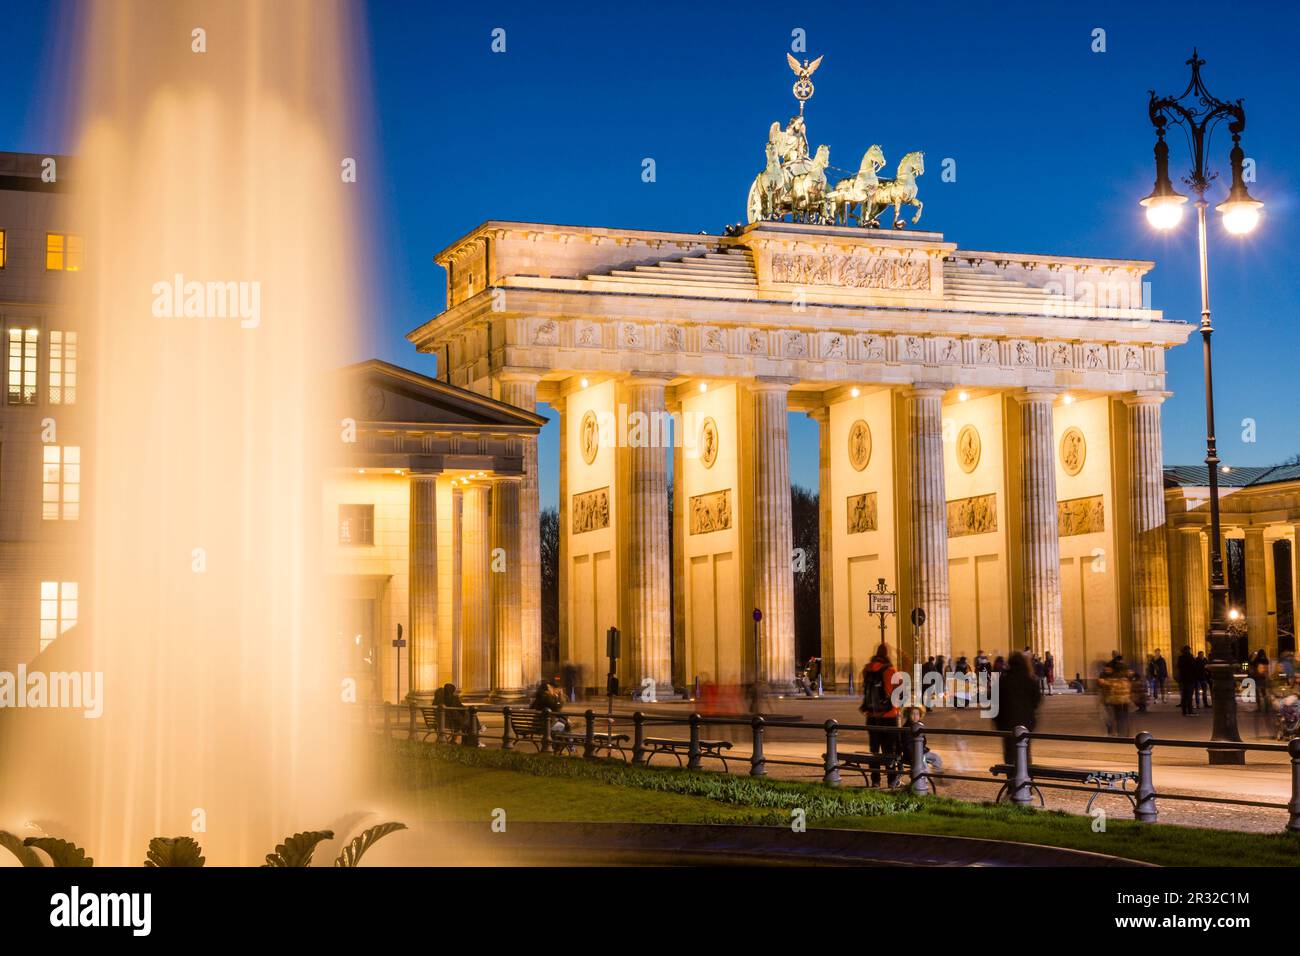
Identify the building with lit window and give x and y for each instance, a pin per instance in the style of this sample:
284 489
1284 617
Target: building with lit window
41 417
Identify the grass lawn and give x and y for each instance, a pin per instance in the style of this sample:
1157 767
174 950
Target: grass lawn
453 783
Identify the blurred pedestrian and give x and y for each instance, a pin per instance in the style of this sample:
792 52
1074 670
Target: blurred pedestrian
878 707
1018 698
1188 677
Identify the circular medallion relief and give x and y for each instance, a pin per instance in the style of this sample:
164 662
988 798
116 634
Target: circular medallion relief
589 437
1074 450
708 442
968 448
859 445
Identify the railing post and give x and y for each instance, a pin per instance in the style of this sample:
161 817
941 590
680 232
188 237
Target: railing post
831 765
546 731
589 737
1144 804
1022 793
470 736
757 762
638 737
440 723
1293 748
410 734
693 761
506 742
920 780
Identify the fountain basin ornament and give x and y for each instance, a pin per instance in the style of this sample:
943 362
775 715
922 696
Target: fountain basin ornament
794 184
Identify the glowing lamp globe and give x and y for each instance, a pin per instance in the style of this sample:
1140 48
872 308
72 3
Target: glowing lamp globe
1165 213
1240 216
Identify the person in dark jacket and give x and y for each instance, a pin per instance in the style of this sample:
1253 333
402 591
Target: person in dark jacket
1161 667
878 706
1188 677
1018 700
1203 697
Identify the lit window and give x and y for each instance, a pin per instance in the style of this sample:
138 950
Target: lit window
356 524
2 248
63 368
22 366
58 609
63 252
61 483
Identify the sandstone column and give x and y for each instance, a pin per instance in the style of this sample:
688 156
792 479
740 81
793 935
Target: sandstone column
825 561
929 521
1148 559
1040 545
773 533
1256 590
1195 589
649 587
508 679
422 585
476 591
520 390
457 675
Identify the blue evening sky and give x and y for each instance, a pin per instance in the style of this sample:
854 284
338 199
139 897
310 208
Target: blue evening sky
1051 141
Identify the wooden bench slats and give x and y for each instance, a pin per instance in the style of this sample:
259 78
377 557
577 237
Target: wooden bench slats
1102 781
671 745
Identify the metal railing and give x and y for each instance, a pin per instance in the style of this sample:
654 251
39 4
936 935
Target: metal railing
1020 783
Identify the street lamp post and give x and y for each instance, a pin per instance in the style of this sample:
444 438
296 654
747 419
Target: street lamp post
1198 112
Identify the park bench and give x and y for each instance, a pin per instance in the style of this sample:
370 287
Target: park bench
530 725
571 740
1102 781
889 764
445 734
667 745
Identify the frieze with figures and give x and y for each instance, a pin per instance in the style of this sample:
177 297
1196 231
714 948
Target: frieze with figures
591 510
975 515
1080 516
710 512
895 273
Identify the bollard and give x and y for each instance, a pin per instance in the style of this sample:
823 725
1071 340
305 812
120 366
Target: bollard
1293 748
920 780
1144 803
410 735
757 762
589 738
638 737
693 761
1022 793
470 736
831 765
506 742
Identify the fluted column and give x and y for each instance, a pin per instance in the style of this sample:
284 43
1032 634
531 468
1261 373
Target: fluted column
508 679
773 533
1040 545
1256 590
457 675
422 585
1195 589
520 390
476 590
1149 564
929 520
649 588
825 538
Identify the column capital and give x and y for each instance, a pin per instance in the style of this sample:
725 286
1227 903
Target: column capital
1036 393
423 474
1253 529
646 378
771 383
820 415
926 390
518 374
1146 397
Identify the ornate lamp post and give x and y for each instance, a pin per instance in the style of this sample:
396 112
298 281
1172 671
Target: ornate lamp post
1198 112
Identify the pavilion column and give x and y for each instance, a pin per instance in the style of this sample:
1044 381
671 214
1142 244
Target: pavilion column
1040 544
476 590
422 585
1256 590
1149 564
520 390
457 675
831 657
1195 589
649 564
929 519
507 586
773 532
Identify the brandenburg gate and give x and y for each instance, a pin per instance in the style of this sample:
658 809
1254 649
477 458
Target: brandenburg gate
989 431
